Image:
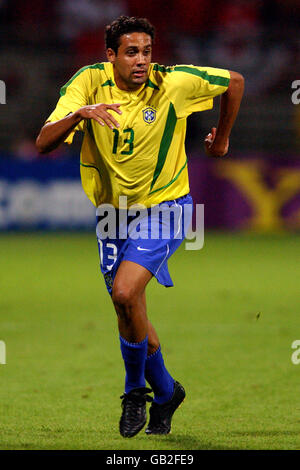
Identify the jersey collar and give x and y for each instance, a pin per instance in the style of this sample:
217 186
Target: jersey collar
129 94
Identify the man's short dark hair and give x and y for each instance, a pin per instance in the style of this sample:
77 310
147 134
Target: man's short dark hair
126 25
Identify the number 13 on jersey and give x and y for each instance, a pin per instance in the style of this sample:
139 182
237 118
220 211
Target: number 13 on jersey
128 139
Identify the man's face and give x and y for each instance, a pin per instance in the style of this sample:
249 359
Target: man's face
132 61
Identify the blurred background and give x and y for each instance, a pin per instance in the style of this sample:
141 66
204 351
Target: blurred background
236 302
257 187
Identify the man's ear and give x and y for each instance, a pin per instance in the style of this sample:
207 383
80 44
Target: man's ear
111 55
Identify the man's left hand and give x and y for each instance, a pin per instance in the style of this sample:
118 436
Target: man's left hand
213 148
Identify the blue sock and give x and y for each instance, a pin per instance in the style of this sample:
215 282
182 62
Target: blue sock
134 355
161 381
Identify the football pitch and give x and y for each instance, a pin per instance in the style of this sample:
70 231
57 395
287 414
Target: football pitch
226 330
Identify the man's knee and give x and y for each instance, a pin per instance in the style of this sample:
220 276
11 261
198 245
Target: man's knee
124 298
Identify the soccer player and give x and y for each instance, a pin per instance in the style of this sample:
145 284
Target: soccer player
133 113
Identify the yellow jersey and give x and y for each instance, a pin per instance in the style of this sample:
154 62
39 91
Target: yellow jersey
144 159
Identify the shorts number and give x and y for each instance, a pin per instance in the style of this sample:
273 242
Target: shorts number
129 140
110 256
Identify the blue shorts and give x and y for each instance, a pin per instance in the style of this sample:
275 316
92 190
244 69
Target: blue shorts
147 237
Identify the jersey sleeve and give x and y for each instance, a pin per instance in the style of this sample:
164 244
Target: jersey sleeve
192 89
73 95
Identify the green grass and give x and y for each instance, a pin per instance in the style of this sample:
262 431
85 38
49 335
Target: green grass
226 330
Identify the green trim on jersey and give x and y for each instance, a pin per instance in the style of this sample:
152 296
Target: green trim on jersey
95 66
162 68
151 84
165 143
212 79
108 82
148 83
172 180
90 166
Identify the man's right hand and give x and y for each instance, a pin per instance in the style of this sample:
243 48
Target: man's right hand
53 134
99 113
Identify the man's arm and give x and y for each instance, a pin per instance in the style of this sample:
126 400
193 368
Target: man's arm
53 134
217 142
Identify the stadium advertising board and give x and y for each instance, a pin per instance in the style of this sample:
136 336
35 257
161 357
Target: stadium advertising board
238 194
43 195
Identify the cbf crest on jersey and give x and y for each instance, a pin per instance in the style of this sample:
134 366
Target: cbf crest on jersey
149 115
